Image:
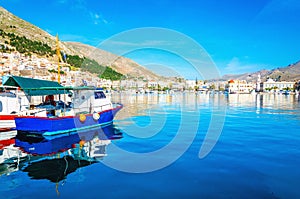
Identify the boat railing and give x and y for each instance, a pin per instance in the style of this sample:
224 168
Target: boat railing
33 112
64 110
90 109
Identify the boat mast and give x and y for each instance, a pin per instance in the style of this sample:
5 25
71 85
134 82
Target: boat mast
59 58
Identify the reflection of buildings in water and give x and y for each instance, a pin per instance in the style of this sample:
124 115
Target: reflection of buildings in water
242 100
140 104
276 101
136 105
259 101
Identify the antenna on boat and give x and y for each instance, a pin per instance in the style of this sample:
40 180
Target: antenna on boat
59 58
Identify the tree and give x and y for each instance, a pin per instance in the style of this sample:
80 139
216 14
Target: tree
165 88
212 87
158 87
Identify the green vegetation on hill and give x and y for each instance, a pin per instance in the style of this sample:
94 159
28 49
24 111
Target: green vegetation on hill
24 45
74 60
111 74
92 66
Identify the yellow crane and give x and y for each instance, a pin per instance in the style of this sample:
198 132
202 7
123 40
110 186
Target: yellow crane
59 58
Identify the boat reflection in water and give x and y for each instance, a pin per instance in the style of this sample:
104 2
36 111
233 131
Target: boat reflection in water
10 156
56 157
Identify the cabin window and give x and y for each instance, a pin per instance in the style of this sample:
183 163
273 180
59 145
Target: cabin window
99 95
1 107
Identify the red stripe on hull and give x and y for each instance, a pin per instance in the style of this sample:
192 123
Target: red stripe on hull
6 129
4 143
7 117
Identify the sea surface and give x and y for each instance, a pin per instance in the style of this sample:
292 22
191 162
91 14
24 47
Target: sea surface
183 145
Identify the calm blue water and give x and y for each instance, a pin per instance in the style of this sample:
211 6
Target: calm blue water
256 155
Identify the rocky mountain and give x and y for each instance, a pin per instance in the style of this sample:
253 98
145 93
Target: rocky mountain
288 73
120 64
10 23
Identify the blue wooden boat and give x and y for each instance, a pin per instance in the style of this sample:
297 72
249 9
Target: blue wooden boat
50 125
82 108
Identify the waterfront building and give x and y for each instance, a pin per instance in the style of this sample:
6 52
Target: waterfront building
270 85
217 85
240 86
190 84
258 82
152 84
104 83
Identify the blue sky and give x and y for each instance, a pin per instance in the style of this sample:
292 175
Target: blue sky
238 36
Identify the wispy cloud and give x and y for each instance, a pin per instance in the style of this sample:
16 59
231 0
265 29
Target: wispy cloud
81 5
98 18
235 66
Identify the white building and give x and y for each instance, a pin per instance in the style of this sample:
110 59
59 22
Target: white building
240 86
258 82
190 84
152 84
270 84
104 83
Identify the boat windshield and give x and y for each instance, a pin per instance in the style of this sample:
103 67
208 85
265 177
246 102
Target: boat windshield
99 95
6 92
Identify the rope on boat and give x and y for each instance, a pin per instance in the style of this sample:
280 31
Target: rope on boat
66 165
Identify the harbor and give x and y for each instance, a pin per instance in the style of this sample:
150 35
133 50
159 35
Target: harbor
149 99
247 154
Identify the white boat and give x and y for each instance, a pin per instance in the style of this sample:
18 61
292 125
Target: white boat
12 101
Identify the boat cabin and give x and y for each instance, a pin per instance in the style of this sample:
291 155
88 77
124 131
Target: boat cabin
12 100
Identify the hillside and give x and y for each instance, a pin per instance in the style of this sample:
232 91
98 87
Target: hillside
15 33
120 64
288 73
13 24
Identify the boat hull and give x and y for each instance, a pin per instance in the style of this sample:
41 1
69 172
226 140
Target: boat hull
7 122
59 125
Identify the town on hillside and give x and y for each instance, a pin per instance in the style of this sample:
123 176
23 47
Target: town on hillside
15 63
